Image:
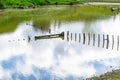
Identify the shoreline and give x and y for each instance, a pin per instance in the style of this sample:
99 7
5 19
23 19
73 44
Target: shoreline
101 3
83 4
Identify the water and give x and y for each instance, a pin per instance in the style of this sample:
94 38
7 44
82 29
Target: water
60 59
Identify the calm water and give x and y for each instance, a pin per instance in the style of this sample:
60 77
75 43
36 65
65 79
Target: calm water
57 59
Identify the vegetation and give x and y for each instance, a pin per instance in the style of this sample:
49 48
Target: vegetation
113 75
33 3
1 6
29 3
112 1
43 16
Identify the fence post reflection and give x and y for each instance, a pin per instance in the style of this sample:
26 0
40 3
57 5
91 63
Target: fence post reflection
67 35
107 41
103 40
88 38
75 37
117 43
83 38
71 36
79 37
93 39
98 40
112 42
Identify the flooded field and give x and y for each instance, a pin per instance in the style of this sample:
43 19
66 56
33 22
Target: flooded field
88 47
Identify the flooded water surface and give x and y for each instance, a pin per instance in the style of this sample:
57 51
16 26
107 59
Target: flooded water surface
88 48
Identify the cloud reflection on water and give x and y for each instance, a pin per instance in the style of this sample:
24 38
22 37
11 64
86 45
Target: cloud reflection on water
56 58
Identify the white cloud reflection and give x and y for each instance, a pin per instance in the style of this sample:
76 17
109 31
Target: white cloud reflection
55 57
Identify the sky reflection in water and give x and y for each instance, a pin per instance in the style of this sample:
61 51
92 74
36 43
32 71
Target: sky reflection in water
56 58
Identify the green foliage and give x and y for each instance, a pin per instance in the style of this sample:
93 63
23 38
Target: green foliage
13 3
1 5
37 2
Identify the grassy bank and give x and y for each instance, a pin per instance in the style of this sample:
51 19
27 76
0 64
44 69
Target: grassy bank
113 75
110 1
35 3
43 16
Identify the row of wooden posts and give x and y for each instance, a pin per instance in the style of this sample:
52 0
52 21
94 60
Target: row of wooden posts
91 38
84 38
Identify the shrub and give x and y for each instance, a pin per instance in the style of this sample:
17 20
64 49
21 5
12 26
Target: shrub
71 3
56 3
1 6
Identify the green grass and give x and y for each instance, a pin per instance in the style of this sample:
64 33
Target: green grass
43 16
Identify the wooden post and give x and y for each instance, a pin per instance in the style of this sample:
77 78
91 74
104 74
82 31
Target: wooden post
49 31
71 36
98 40
112 42
117 43
79 37
29 38
83 38
75 37
88 38
61 35
93 39
107 41
67 35
103 40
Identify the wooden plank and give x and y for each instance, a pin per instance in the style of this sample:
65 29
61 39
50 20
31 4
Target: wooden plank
61 35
